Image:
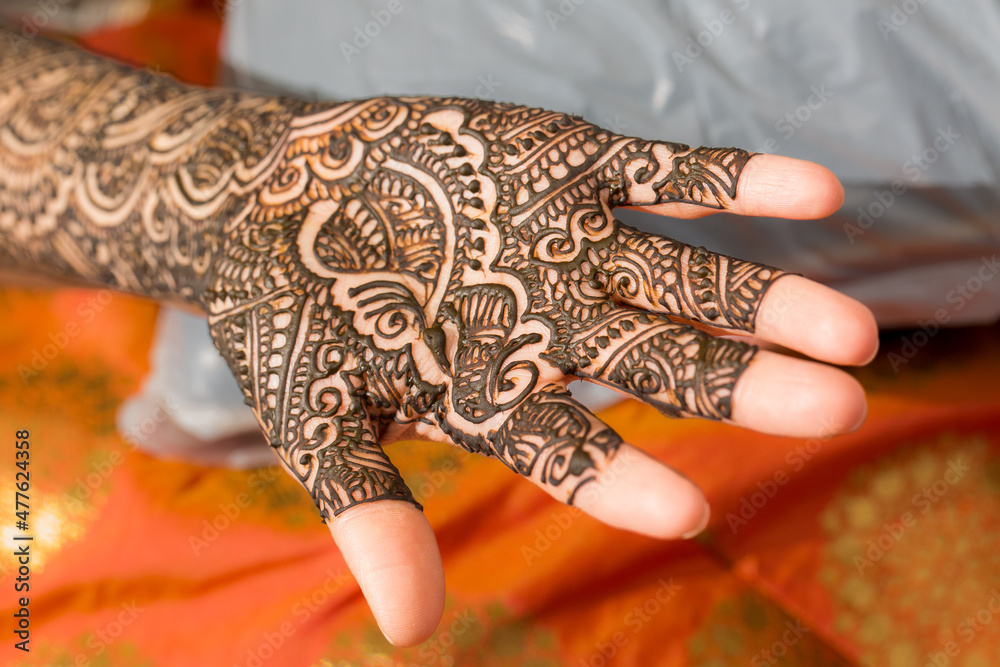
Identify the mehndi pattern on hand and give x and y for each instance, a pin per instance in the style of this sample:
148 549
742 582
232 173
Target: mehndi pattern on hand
386 267
441 266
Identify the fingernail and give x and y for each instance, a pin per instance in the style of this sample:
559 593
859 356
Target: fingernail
864 417
704 523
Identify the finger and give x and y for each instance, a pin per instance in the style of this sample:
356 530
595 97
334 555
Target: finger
324 436
302 386
782 395
684 372
385 540
336 456
390 548
681 371
307 401
638 493
563 448
675 180
655 273
813 319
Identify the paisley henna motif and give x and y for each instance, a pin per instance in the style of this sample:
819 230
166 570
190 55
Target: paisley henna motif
386 266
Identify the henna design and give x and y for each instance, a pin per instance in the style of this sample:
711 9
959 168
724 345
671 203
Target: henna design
385 266
552 438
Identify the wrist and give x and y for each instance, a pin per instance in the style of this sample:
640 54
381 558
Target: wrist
117 177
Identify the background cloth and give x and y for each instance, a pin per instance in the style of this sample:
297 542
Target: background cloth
900 98
875 548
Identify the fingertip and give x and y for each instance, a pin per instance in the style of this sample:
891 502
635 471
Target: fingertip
390 547
781 395
859 339
639 493
860 420
697 530
803 315
774 185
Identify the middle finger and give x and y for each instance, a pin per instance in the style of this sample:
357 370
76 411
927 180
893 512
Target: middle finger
655 273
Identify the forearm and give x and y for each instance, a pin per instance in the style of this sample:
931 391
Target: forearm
114 176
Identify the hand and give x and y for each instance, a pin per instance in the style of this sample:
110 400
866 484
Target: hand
443 268
438 268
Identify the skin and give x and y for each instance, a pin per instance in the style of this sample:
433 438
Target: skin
432 268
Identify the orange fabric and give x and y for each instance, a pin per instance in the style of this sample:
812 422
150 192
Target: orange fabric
180 39
875 548
840 560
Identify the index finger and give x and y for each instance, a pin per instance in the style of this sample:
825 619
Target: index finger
682 182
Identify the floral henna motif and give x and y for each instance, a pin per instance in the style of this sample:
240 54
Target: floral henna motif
470 257
388 266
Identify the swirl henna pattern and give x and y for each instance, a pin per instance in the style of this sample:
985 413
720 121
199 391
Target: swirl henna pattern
386 267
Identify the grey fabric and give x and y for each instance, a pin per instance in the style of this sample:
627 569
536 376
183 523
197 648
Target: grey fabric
865 87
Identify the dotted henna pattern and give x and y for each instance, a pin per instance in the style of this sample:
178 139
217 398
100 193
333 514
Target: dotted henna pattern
383 267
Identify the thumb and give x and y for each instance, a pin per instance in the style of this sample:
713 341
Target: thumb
390 548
